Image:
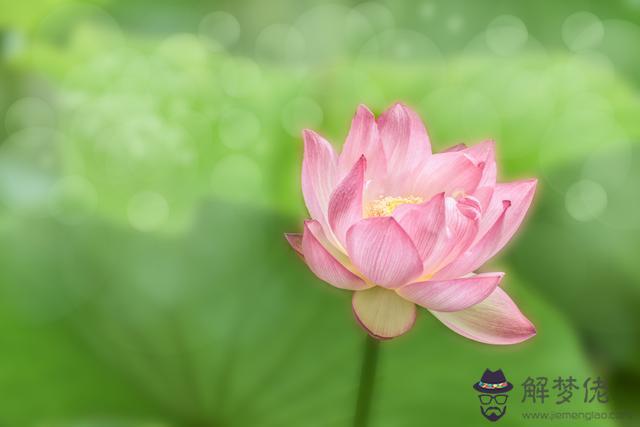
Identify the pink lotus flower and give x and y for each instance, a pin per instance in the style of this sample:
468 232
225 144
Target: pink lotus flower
401 226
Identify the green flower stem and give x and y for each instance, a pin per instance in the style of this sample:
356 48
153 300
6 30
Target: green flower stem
367 381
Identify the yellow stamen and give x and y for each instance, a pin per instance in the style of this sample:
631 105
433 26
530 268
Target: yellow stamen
457 194
384 206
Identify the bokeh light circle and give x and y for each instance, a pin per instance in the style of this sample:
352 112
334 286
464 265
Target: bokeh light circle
455 23
609 164
427 10
321 42
239 128
12 44
506 35
240 77
585 200
147 211
29 164
619 35
472 118
615 166
401 45
300 113
219 30
81 25
181 50
280 43
332 30
72 198
237 177
582 30
357 30
380 18
29 112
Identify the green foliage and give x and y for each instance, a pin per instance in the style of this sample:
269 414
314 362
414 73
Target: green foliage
224 326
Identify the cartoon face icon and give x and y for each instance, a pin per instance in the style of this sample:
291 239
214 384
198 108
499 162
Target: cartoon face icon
493 406
493 388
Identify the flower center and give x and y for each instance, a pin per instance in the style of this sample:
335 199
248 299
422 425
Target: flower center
384 206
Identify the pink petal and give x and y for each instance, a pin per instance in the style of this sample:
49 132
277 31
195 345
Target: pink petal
422 223
453 239
336 252
483 151
470 207
453 148
404 138
451 173
419 137
325 265
295 240
382 313
506 211
345 204
319 175
520 195
451 295
496 320
485 154
478 253
364 140
383 252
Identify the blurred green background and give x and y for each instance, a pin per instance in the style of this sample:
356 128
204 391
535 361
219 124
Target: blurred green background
150 156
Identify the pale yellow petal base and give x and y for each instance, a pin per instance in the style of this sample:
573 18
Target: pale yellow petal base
382 313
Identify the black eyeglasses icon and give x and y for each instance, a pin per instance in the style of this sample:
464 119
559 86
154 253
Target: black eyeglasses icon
486 399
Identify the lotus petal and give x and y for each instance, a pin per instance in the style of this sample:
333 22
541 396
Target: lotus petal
496 320
382 313
451 295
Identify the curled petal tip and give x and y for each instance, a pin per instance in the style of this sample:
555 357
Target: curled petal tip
530 184
311 136
363 109
310 139
454 148
290 236
532 328
295 241
470 207
496 320
530 332
399 108
487 144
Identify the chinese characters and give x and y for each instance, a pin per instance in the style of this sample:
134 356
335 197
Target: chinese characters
537 390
